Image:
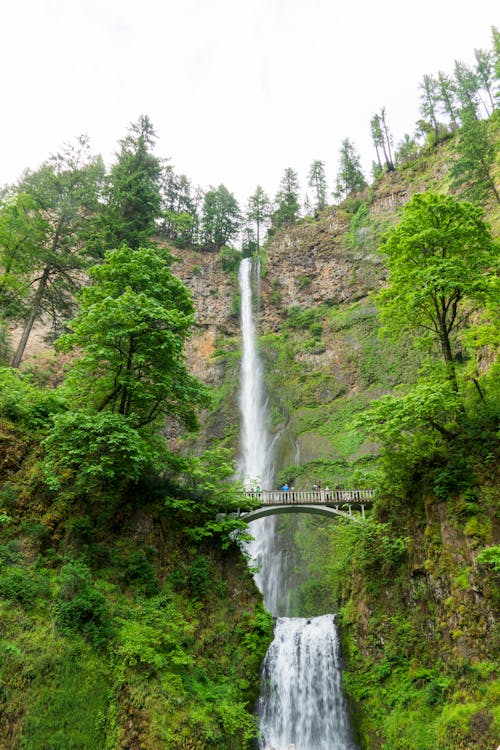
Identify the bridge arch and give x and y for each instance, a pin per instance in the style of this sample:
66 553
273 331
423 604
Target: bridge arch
272 510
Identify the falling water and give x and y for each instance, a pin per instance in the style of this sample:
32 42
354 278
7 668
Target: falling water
301 705
301 702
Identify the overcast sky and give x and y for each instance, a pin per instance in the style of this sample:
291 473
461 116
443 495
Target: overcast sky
237 90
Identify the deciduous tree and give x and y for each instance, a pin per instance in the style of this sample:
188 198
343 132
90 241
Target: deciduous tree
130 333
440 258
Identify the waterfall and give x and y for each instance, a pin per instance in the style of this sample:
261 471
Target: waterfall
301 704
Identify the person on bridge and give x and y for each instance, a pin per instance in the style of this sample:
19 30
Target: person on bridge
284 487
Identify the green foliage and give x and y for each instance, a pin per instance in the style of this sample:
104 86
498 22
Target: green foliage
230 259
19 587
130 330
90 450
473 170
490 556
439 256
220 218
24 402
133 190
80 606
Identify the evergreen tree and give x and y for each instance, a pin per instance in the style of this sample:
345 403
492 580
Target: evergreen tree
382 139
473 170
317 181
60 233
221 218
466 84
428 103
133 189
407 151
179 209
259 212
485 68
447 98
287 205
350 178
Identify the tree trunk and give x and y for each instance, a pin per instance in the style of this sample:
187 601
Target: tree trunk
32 316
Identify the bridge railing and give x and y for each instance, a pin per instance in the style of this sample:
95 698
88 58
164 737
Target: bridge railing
311 497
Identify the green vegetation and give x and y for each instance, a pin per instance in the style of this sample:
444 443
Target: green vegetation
126 605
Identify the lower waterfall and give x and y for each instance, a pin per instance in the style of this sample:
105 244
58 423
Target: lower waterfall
301 705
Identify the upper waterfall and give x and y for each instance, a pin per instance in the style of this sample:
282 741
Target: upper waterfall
255 464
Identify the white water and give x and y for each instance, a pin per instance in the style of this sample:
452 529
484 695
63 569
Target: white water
301 705
301 698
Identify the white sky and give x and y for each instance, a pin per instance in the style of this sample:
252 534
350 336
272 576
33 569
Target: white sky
237 90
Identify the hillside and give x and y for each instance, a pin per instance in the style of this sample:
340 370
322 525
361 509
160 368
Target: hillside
126 608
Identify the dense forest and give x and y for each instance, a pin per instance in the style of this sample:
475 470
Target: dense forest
128 615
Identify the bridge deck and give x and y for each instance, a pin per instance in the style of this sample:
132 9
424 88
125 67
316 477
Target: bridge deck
351 498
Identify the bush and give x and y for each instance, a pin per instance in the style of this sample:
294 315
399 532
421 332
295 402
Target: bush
81 608
93 449
17 586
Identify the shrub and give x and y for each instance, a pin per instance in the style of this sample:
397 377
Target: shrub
81 608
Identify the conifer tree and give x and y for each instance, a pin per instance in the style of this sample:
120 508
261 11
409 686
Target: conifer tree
64 205
287 205
447 99
472 171
428 103
350 177
258 212
133 189
221 217
317 181
382 139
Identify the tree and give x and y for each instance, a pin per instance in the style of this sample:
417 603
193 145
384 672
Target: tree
485 74
472 171
287 205
350 178
428 103
130 333
21 234
317 181
60 232
440 259
466 84
382 139
179 209
259 211
407 151
133 189
447 98
220 218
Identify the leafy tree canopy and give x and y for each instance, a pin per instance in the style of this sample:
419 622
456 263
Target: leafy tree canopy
441 256
130 330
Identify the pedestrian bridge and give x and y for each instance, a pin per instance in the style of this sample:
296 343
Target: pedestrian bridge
323 502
